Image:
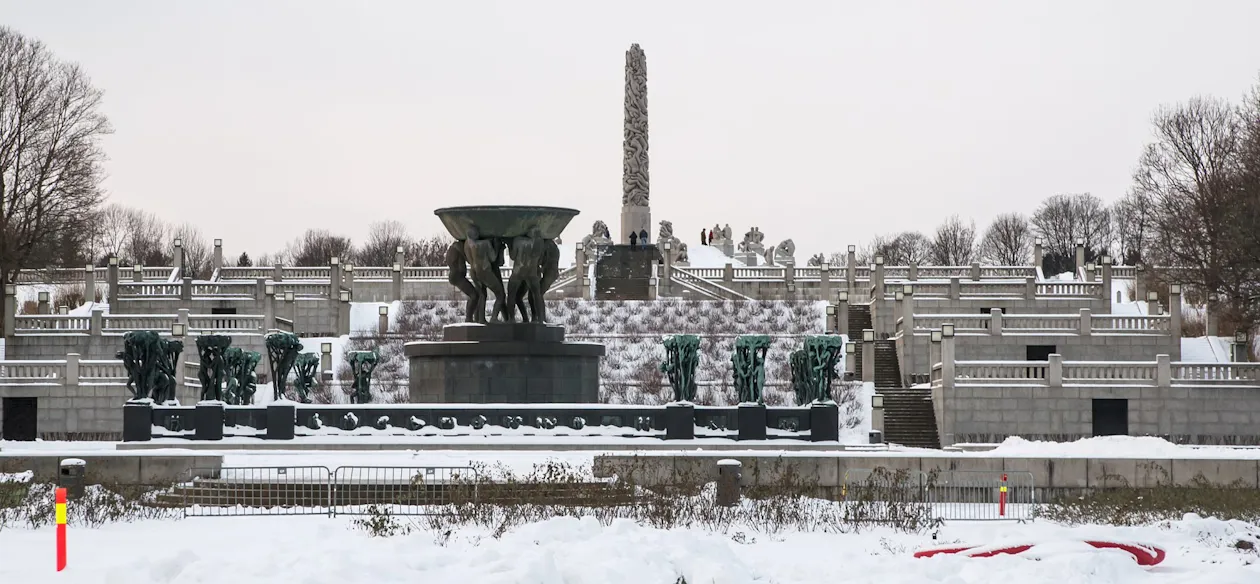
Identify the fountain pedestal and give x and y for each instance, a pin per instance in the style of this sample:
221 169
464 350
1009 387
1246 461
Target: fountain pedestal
503 363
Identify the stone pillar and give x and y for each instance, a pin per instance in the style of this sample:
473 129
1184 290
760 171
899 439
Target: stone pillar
382 320
281 418
137 273
181 317
347 277
10 310
751 421
334 277
185 290
729 474
400 256
934 352
1106 279
728 275
1089 272
824 422
209 418
269 308
898 299
680 421
1242 352
653 283
1139 282
877 279
1152 303
1163 371
913 272
1080 255
137 421
824 281
908 339
1054 371
343 314
789 278
1037 254
955 288
216 260
96 322
89 283
44 305
947 357
1087 322
1174 315
277 273
325 358
1211 313
842 312
868 355
72 369
112 276
668 256
850 357
178 255
995 322
1030 288
850 275
396 290
877 412
636 214
975 271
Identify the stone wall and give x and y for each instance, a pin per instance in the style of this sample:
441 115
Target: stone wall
74 411
1185 414
1073 347
105 346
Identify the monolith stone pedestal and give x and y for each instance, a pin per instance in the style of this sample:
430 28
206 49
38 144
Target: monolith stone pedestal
508 363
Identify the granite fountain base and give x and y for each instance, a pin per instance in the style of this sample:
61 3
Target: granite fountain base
503 363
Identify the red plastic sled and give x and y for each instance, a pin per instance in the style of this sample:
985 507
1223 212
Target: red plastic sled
1144 555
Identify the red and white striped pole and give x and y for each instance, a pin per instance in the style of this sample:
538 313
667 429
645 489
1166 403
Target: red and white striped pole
61 529
1002 498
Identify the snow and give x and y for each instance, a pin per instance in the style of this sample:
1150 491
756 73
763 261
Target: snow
323 550
16 477
708 256
1117 447
1207 350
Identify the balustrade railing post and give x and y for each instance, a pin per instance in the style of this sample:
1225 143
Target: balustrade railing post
728 275
868 356
842 312
72 370
1163 371
824 280
1054 371
850 270
111 275
995 322
396 285
1174 317
975 271
1030 288
10 310
955 288
913 272
89 283
1087 321
96 322
948 370
185 290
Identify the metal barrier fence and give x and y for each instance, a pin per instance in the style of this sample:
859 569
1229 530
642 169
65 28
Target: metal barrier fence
316 490
943 495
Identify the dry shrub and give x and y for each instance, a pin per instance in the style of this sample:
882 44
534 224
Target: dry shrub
33 505
1126 505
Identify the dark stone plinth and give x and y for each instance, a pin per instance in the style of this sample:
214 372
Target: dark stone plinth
876 437
625 273
824 422
751 421
503 363
680 422
208 421
281 419
138 421
504 332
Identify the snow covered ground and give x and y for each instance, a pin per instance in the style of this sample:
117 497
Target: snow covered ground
322 550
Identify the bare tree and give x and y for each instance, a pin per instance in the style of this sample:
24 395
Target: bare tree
905 248
1191 174
384 239
195 249
50 155
317 247
1132 225
429 252
111 231
954 243
150 240
1007 241
243 261
1063 219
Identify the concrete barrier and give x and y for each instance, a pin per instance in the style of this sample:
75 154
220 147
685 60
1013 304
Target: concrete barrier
108 468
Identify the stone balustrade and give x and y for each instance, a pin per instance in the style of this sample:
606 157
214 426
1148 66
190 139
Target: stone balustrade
1056 372
1086 323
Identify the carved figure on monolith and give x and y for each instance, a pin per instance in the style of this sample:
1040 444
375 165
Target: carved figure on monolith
457 275
484 258
304 371
242 381
139 357
282 351
799 364
682 356
168 358
527 255
822 353
362 364
213 371
749 364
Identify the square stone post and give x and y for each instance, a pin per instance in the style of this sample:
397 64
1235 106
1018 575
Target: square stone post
44 306
850 269
325 360
277 273
137 273
995 322
877 413
934 349
877 279
1174 314
400 256
947 356
653 283
728 275
112 276
587 291
955 288
347 276
1030 288
579 270
908 339
1054 371
1152 303
1211 313
1139 282
833 326
1037 254
1080 255
824 281
260 290
396 290
269 308
343 313
96 322
868 355
1090 272
898 299
850 357
179 334
72 370
181 317
382 320
10 310
667 247
1163 371
913 272
89 283
178 255
975 271
789 278
1106 278
1242 352
334 276
216 260
1087 322
842 312
185 290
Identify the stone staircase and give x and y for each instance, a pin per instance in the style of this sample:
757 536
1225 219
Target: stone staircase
859 320
909 419
887 369
688 284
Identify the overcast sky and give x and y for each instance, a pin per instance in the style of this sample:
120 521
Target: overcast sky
824 121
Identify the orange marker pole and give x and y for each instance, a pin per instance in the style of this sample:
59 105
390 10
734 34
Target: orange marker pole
1002 498
61 529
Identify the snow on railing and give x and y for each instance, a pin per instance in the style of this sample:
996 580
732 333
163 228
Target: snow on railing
1217 372
122 323
102 372
705 273
50 323
246 273
226 323
1000 370
1044 323
1052 323
1130 324
32 372
202 289
149 289
963 323
302 289
1141 373
1104 371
